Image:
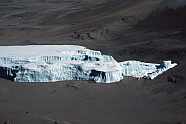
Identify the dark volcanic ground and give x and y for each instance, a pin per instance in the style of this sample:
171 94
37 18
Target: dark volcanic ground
144 30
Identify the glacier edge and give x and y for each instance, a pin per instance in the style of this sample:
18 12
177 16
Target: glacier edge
50 63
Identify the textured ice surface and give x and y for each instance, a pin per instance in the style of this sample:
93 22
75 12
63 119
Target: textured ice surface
49 63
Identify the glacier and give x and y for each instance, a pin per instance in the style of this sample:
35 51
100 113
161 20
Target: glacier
51 63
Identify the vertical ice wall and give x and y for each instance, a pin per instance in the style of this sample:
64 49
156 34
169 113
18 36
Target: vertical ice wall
49 63
145 70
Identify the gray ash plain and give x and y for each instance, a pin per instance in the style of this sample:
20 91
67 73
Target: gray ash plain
144 30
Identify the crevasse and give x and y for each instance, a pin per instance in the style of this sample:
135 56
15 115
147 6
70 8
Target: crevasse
50 63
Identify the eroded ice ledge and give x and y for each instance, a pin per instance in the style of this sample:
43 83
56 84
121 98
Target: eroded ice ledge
50 63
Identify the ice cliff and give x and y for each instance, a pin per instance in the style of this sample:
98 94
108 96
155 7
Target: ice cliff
50 63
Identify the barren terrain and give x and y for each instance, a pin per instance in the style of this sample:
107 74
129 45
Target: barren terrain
145 30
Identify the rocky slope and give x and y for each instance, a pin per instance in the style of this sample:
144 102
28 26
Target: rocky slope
144 30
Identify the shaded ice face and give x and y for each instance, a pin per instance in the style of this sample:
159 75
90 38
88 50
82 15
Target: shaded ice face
49 63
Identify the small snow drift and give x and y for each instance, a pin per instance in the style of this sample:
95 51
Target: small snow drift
50 63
